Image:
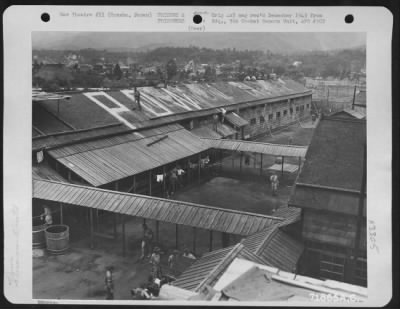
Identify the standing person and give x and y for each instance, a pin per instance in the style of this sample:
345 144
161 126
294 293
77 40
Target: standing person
173 178
274 183
155 261
172 260
137 98
148 238
48 218
180 172
143 247
109 284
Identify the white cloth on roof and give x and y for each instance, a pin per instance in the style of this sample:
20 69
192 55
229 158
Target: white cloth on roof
39 156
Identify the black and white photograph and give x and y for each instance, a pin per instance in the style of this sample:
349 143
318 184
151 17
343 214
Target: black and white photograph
215 166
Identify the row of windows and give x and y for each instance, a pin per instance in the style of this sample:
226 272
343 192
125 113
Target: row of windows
278 114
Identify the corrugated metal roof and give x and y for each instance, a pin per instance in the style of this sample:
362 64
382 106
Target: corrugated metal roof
209 268
225 130
290 214
54 140
350 112
236 120
256 147
47 96
106 160
171 211
43 171
174 103
275 248
206 132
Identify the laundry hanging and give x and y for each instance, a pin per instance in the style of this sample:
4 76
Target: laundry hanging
39 156
160 177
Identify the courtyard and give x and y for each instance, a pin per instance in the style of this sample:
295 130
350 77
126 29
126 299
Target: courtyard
79 273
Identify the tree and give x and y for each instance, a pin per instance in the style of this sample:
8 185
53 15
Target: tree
171 69
117 72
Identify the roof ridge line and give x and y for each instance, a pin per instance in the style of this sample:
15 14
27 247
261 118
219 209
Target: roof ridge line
163 199
235 250
251 142
96 138
275 229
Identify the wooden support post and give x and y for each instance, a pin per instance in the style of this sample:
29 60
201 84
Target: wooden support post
157 231
123 236
194 240
91 228
176 236
69 175
241 159
115 225
150 183
233 160
261 164
255 160
116 186
164 181
283 160
189 173
298 171
211 239
61 214
57 167
221 155
96 228
199 168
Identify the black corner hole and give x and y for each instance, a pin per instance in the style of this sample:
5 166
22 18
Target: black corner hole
197 19
45 17
349 18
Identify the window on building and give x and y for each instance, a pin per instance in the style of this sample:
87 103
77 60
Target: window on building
253 121
332 267
270 116
278 114
285 112
308 105
302 108
291 110
297 108
262 119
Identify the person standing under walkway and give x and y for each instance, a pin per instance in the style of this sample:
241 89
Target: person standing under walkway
109 284
274 183
155 262
173 178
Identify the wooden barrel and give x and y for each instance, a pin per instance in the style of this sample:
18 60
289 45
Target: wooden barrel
38 236
57 238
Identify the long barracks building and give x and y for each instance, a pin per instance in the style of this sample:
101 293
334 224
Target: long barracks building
101 137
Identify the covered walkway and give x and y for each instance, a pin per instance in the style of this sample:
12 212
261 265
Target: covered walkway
243 148
158 209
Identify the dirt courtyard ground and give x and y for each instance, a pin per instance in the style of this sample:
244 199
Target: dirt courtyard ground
79 273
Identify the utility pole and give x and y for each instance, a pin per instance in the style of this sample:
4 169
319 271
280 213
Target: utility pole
354 97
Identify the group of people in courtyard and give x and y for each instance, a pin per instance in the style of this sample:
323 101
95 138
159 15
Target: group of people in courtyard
152 253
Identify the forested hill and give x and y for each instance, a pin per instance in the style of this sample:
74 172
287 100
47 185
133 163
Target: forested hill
141 41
